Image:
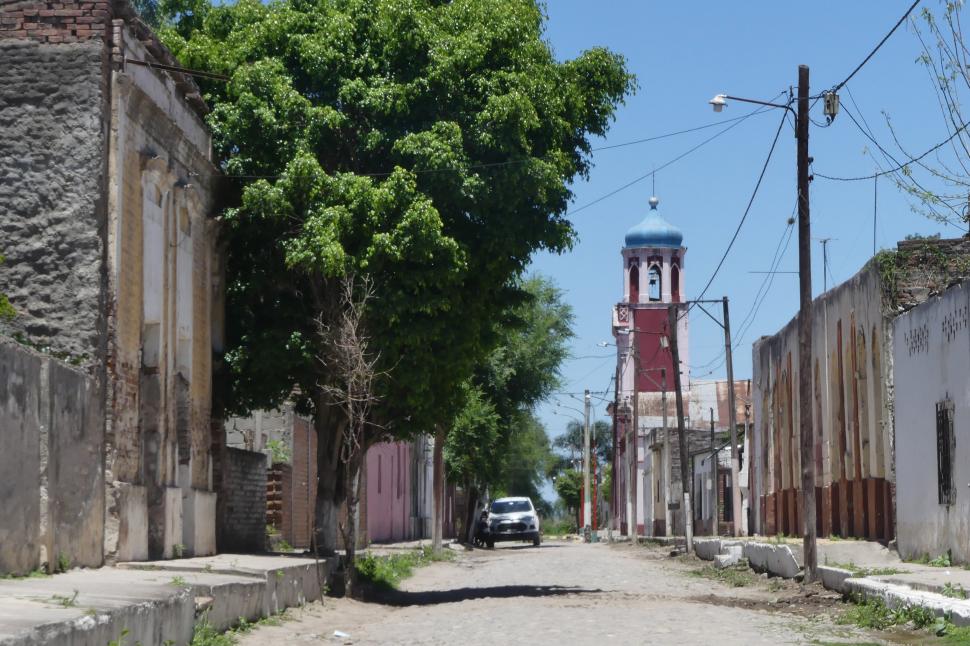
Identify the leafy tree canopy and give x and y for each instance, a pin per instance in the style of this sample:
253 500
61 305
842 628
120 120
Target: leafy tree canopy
429 145
569 445
495 440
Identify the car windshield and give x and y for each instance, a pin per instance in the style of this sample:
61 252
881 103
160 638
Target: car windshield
509 506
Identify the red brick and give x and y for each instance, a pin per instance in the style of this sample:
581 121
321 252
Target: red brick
86 19
69 12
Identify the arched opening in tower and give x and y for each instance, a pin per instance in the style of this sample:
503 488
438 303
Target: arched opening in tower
653 283
634 284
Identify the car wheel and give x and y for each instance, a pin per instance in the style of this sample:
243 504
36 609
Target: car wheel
536 541
491 544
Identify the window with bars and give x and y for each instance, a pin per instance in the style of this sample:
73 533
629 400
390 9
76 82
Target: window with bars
944 452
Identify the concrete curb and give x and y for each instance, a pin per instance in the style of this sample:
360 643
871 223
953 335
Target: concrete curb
155 601
896 596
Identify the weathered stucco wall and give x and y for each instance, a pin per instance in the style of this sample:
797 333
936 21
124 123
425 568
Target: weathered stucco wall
853 404
51 448
163 264
21 424
850 416
53 105
932 365
106 193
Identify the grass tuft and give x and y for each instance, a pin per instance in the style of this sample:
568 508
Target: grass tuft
389 571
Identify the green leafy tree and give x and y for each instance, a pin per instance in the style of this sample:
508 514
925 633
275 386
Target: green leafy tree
521 371
569 445
427 145
569 487
526 462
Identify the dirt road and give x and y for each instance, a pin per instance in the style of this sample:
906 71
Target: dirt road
570 593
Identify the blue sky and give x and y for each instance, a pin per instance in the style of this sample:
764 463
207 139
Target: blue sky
683 53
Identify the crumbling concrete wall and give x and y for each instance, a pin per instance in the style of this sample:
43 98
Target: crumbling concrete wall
53 103
852 425
51 458
853 405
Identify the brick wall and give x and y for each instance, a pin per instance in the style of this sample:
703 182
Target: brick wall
302 492
55 22
242 526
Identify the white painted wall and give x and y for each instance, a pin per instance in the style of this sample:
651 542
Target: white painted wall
931 356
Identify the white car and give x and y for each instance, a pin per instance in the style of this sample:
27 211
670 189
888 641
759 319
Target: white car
512 519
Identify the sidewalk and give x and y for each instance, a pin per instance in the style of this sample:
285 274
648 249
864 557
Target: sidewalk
155 601
863 568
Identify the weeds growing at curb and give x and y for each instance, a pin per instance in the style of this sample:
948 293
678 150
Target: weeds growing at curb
63 562
33 574
875 614
943 560
178 582
205 634
867 571
389 571
65 601
954 592
736 576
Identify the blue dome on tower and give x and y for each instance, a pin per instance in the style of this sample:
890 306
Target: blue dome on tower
654 231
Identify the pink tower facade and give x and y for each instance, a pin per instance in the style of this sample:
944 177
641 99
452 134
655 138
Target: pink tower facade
653 278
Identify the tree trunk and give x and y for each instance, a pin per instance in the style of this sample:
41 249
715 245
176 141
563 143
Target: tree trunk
471 506
329 424
438 488
349 532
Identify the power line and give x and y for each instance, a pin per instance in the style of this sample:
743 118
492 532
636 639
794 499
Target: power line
759 298
899 166
737 122
747 209
876 49
672 134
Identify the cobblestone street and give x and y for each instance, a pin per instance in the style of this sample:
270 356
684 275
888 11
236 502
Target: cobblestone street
570 593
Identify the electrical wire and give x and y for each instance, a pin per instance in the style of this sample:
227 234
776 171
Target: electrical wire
899 166
889 158
760 296
837 87
747 209
737 122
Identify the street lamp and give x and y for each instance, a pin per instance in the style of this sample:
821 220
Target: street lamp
807 444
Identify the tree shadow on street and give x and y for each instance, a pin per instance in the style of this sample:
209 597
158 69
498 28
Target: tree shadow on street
392 597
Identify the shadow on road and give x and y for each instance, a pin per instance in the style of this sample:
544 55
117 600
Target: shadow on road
434 597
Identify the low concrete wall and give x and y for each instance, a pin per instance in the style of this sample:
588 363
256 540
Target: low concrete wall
21 421
52 502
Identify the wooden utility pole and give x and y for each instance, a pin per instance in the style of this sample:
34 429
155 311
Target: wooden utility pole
672 311
668 531
807 444
733 424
